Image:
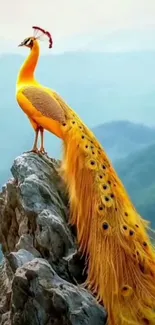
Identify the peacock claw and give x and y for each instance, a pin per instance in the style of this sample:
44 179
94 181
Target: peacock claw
42 151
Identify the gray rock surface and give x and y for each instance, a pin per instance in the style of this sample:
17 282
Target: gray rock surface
42 272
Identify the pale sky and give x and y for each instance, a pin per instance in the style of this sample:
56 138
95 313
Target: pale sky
68 19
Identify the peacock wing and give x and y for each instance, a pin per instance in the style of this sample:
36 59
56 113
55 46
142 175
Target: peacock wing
44 103
74 121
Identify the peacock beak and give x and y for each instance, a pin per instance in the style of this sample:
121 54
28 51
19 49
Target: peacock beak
21 44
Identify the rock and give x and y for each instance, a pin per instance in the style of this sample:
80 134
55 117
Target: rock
5 294
41 297
5 320
26 241
42 269
17 259
52 232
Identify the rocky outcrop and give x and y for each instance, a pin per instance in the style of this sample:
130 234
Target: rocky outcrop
42 273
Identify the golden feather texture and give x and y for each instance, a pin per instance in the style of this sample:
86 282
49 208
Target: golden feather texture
111 234
44 103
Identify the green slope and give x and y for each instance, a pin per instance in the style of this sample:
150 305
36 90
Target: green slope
137 171
120 138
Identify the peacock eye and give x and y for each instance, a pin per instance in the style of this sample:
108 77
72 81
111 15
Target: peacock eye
28 42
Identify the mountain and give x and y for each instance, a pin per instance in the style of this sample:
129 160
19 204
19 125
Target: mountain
118 40
120 138
137 171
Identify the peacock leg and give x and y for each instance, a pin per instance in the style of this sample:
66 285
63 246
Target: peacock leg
35 149
42 149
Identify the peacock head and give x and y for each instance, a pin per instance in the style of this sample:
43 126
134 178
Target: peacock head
39 34
28 42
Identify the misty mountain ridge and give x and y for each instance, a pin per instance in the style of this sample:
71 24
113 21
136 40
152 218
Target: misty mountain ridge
120 40
121 138
137 172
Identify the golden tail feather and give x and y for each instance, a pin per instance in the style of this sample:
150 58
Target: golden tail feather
111 234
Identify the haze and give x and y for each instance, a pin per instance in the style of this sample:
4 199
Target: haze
69 21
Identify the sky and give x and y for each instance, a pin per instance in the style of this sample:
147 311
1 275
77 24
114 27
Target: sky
73 21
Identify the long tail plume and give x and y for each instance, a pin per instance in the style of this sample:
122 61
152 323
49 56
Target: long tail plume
111 234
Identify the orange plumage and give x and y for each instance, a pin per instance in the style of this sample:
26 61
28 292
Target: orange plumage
111 234
27 86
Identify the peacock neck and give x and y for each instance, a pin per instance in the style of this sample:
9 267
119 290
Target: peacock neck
27 71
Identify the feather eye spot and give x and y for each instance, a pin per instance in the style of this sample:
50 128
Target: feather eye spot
107 201
93 152
126 290
103 166
73 122
100 208
145 321
109 182
99 152
131 232
104 187
91 164
115 209
91 141
82 137
125 227
86 146
112 196
142 269
64 124
80 127
92 147
105 226
136 226
126 214
144 244
101 176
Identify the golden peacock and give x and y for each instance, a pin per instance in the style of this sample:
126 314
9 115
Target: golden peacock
111 234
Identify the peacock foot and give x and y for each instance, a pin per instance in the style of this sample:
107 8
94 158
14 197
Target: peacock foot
42 151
